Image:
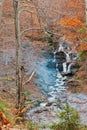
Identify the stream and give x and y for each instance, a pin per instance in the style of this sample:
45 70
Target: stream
53 74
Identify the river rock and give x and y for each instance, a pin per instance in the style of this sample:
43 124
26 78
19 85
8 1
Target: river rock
43 104
40 109
72 83
49 104
67 73
74 67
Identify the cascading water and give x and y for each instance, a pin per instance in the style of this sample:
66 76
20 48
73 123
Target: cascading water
67 56
67 64
54 57
56 93
69 68
64 67
61 47
55 87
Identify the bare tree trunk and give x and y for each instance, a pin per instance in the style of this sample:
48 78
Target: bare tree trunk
0 11
86 30
22 96
1 5
17 38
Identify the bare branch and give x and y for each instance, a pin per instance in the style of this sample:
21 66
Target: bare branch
30 29
29 78
20 11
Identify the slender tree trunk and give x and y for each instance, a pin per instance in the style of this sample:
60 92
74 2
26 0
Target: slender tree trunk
22 96
0 11
17 38
86 30
1 5
86 12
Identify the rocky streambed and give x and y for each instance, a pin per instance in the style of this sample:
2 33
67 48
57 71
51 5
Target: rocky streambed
53 74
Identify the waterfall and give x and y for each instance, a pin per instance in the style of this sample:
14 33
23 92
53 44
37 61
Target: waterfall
67 57
65 67
54 57
53 85
57 67
61 48
69 68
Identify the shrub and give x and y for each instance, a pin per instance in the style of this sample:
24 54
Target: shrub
68 119
31 126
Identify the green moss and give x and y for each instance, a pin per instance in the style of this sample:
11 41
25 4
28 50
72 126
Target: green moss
84 40
3 106
82 30
82 55
31 126
27 94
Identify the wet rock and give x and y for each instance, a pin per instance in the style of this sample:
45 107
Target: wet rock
60 67
72 83
54 104
52 99
60 57
40 110
67 73
49 104
43 104
74 67
64 78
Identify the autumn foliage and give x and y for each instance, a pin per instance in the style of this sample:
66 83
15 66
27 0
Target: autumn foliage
75 32
3 121
71 23
81 74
